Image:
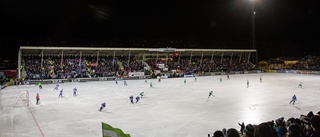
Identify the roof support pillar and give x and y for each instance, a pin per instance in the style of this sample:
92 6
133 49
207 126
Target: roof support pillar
179 58
231 58
167 58
212 57
157 57
201 58
114 58
80 59
19 64
221 58
41 60
62 60
129 57
98 52
190 58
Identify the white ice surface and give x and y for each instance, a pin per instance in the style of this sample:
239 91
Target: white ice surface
170 109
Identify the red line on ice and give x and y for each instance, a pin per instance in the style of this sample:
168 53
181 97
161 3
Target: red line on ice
35 120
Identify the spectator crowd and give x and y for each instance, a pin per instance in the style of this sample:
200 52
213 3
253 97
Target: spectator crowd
304 126
308 63
52 67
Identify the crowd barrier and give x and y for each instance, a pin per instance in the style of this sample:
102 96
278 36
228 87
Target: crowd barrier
231 72
50 81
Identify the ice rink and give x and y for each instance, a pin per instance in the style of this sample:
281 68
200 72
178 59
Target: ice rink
170 109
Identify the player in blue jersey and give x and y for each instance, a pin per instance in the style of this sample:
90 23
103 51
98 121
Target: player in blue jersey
60 94
57 87
125 83
137 99
116 80
293 100
131 99
75 91
103 105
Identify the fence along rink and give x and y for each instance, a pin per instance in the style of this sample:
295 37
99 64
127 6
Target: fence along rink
22 99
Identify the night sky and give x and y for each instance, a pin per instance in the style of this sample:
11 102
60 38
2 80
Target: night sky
289 28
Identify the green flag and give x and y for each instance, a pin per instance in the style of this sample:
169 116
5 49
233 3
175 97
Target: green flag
109 131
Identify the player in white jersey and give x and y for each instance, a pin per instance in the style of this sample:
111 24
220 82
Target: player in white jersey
300 85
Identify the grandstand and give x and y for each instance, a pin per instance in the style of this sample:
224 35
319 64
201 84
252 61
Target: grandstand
68 62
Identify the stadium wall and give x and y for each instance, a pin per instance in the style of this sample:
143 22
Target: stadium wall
50 81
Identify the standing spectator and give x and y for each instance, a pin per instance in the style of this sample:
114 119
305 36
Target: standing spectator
310 114
218 133
231 132
264 130
241 127
280 128
224 131
248 131
294 130
315 124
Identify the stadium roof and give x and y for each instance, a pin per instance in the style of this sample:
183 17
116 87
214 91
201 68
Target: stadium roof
37 50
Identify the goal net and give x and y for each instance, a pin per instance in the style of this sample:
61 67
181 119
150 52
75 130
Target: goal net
22 99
